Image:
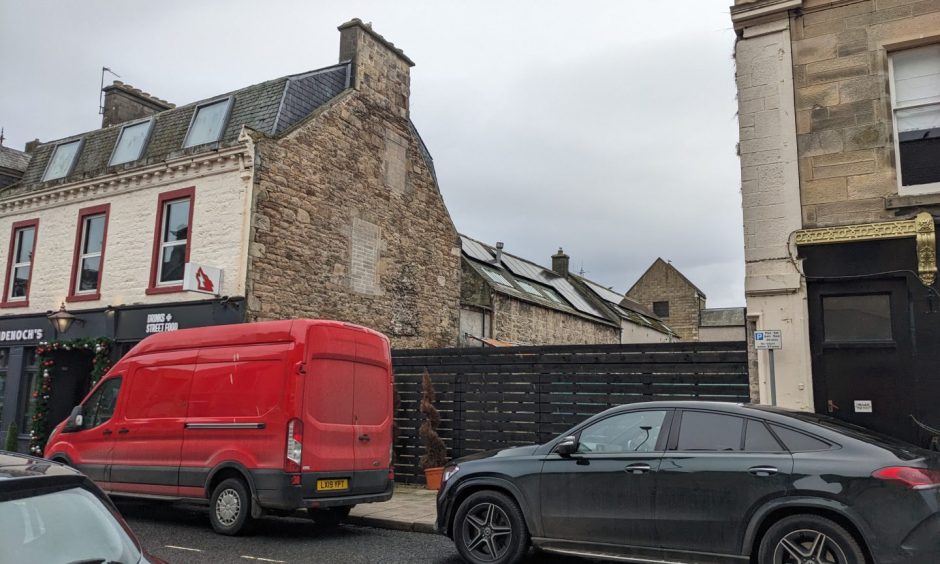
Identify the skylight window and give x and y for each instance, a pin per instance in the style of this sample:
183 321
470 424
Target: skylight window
529 288
552 296
62 160
208 123
130 143
495 276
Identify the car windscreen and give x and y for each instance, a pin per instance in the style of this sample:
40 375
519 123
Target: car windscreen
63 526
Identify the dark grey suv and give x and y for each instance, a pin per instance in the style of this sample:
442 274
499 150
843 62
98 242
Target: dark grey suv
700 482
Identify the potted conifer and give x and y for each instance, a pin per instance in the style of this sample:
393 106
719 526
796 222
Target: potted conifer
435 453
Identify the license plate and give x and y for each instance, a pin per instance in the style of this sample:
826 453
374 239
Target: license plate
332 485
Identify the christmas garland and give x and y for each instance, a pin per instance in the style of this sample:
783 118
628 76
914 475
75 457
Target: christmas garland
100 362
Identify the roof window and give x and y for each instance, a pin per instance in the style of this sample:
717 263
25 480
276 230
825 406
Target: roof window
62 160
529 288
495 276
130 143
208 122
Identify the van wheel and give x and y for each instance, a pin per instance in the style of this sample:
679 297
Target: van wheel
809 539
489 528
230 507
329 516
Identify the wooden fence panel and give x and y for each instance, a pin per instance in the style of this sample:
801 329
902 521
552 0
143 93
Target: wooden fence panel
497 397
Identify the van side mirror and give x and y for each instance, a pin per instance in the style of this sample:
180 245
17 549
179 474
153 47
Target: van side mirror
75 421
567 446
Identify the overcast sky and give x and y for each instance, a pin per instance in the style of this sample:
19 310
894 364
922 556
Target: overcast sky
604 127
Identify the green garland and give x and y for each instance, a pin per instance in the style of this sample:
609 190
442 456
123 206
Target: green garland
101 363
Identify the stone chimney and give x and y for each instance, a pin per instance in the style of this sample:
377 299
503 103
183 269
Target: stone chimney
123 102
378 67
31 145
560 263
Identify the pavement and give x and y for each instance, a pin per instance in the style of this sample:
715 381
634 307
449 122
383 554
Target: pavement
412 508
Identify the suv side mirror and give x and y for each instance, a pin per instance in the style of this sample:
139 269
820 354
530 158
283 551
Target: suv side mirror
567 446
75 420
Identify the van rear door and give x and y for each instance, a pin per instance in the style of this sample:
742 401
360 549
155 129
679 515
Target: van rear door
329 430
372 403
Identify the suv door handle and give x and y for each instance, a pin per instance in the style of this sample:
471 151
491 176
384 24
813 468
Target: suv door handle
763 470
107 432
638 468
122 431
364 438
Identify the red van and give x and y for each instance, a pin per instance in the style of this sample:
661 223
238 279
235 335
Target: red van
258 417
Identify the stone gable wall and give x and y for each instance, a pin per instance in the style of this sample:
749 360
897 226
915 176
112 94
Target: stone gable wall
663 283
347 228
843 104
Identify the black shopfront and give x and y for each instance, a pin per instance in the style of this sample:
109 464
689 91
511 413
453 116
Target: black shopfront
123 326
874 321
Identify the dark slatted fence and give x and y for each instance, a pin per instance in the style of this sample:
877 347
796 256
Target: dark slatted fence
495 397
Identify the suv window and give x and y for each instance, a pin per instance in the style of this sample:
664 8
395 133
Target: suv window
636 431
710 432
100 406
799 442
757 438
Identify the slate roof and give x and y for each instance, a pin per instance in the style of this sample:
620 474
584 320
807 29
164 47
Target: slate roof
676 270
627 308
270 107
13 159
723 317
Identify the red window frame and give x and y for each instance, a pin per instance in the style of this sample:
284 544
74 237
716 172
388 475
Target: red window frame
83 214
7 302
181 194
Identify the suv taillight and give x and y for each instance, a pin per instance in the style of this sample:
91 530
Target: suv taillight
295 445
913 478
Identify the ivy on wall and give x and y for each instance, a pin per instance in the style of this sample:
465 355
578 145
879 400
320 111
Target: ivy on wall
100 348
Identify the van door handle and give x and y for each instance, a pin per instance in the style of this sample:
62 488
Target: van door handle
364 438
107 432
123 431
638 468
763 471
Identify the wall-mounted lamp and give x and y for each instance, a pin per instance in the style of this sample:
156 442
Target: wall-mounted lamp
62 320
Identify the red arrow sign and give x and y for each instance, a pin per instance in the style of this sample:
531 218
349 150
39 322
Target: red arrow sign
203 282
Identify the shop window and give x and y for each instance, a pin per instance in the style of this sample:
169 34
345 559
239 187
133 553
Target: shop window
20 263
661 309
90 239
4 362
172 238
31 383
915 101
861 318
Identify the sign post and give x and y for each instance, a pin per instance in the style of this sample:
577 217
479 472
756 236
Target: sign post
770 340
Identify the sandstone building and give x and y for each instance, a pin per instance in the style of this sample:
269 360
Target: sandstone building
840 167
507 300
680 303
312 193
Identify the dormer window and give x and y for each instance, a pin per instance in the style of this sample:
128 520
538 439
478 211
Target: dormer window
62 161
131 142
208 123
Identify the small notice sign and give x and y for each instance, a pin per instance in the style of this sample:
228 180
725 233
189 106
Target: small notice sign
768 339
862 406
202 278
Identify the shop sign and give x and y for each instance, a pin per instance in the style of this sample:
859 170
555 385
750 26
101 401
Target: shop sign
202 278
21 335
160 323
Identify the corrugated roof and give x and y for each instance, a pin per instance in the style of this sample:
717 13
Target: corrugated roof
270 107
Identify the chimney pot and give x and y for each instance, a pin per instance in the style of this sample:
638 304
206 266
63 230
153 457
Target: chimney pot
499 253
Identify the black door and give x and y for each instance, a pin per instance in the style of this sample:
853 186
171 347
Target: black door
71 376
604 492
717 471
862 349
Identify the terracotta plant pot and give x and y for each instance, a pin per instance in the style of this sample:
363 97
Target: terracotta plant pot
432 477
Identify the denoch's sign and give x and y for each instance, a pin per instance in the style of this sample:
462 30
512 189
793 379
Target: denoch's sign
21 335
202 278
